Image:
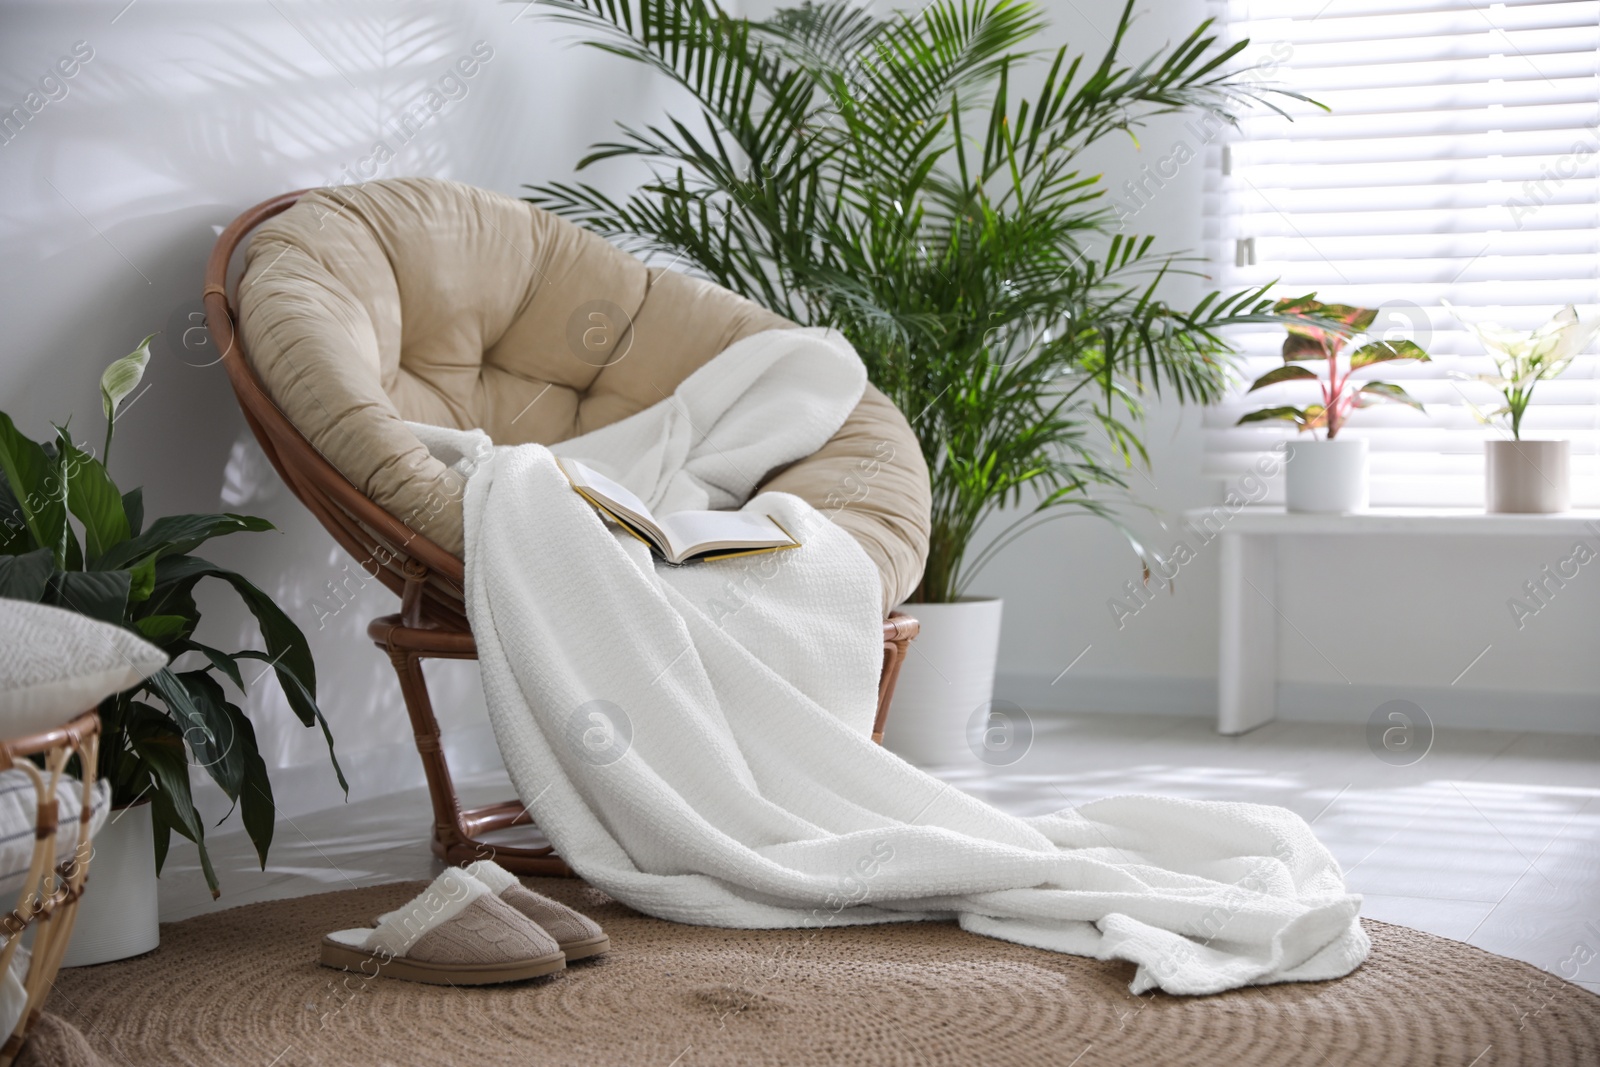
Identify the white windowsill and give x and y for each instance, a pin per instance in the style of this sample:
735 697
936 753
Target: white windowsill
1275 520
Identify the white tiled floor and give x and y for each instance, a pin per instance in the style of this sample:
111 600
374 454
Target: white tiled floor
1492 838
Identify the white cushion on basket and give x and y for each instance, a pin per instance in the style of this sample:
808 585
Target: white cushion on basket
18 821
56 664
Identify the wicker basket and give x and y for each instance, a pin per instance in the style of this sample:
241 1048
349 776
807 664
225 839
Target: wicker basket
48 901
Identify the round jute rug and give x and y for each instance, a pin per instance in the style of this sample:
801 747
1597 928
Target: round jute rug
242 987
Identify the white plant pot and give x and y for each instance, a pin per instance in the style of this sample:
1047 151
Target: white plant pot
948 675
1325 477
118 915
1527 477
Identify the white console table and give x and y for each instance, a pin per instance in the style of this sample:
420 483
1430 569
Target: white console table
1247 671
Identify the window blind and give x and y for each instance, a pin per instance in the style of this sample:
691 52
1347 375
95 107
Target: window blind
1460 162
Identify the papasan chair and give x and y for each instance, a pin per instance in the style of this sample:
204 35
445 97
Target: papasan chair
363 307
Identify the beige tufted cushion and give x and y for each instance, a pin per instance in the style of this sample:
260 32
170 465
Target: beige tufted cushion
363 306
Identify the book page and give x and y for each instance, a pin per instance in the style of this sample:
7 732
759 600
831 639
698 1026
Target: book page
683 534
614 497
692 532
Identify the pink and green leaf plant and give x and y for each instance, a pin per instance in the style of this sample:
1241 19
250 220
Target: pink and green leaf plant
1314 351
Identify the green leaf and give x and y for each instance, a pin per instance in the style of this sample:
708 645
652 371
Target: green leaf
1315 339
286 645
122 377
256 805
1283 374
179 701
172 600
142 580
176 535
287 649
221 660
1357 319
305 706
161 628
35 487
26 577
68 551
1298 305
1304 343
215 744
161 830
93 498
172 802
133 508
15 538
1383 351
100 595
1388 391
1286 413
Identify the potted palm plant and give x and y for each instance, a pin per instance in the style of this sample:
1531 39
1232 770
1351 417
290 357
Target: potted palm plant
1527 476
879 175
112 567
1329 474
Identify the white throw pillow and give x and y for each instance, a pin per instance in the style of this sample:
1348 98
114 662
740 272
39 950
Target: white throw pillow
56 664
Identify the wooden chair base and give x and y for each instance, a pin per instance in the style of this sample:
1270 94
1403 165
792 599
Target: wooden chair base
460 845
456 830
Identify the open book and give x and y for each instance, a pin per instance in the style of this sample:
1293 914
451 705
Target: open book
684 535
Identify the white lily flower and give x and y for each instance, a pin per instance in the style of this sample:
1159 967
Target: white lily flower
1526 357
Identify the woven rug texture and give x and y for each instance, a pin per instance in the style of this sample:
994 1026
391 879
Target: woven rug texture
242 987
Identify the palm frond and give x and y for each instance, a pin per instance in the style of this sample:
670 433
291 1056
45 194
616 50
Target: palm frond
880 175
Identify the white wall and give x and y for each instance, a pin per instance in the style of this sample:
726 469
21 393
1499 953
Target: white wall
113 193
189 112
1399 617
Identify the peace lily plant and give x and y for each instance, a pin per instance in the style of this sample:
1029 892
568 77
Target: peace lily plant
1522 475
71 538
1524 358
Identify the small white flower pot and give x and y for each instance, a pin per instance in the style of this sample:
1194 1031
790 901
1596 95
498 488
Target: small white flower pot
1528 477
947 676
118 916
1326 477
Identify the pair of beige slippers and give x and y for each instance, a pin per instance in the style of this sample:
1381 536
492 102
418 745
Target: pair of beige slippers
475 925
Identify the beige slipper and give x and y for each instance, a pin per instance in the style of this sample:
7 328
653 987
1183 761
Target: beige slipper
456 932
578 935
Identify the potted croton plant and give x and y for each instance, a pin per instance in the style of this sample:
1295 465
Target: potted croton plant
1329 473
69 537
1521 475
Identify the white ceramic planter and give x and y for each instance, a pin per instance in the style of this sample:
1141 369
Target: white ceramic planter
1527 477
947 676
1326 476
118 916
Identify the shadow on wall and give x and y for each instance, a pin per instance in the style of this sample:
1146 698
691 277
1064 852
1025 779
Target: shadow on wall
117 179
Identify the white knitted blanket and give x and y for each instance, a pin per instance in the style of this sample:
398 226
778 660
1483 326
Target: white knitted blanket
694 740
